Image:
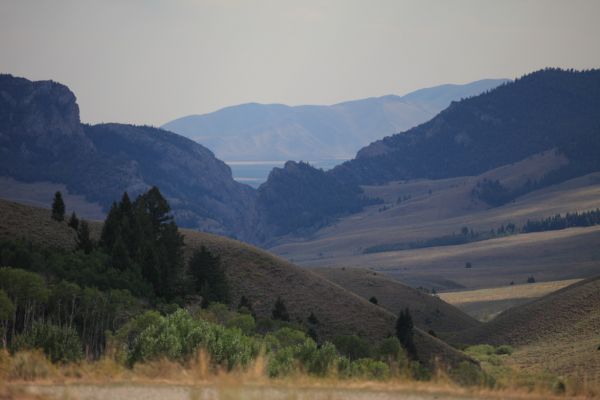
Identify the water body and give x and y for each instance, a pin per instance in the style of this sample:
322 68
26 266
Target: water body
254 173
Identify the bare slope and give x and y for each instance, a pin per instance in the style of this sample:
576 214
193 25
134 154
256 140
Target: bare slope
256 274
428 312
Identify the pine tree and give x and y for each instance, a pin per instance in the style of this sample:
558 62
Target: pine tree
84 242
73 221
280 311
405 332
245 306
58 207
209 278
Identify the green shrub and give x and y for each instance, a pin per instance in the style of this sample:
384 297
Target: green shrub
504 349
368 368
289 337
178 337
60 344
282 363
244 322
469 374
315 360
352 346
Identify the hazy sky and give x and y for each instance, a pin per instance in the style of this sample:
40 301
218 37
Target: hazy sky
152 61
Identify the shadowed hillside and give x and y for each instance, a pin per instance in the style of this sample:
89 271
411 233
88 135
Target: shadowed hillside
428 312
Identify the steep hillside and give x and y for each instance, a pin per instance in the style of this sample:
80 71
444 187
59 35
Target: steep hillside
256 274
547 112
558 332
540 111
428 312
42 140
280 132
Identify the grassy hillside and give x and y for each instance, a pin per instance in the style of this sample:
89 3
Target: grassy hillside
259 276
558 332
430 209
428 312
485 304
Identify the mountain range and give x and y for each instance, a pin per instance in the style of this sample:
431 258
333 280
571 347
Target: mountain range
313 132
43 140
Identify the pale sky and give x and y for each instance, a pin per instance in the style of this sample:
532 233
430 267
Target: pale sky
148 62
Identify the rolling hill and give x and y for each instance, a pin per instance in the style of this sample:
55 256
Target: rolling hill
428 312
558 332
279 132
256 274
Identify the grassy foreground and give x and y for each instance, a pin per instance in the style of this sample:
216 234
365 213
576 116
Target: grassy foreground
29 375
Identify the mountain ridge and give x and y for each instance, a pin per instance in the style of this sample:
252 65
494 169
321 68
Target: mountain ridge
255 131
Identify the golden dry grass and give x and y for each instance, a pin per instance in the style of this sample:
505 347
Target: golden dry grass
485 304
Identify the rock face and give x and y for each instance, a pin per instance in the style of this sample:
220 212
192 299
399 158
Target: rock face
42 139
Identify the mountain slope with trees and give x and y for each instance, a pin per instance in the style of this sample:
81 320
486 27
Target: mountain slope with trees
259 277
540 111
42 139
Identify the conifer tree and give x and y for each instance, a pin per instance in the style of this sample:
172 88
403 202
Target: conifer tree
209 278
73 221
84 242
280 311
405 332
58 207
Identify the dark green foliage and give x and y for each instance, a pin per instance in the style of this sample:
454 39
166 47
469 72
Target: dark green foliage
142 239
530 279
374 300
405 333
299 196
312 319
558 222
73 221
543 110
245 306
58 207
209 278
280 310
492 193
84 242
61 344
352 346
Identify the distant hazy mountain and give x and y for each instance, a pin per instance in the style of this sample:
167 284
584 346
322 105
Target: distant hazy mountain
545 110
279 132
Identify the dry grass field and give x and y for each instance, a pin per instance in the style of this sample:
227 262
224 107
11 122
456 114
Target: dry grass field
444 211
485 304
250 391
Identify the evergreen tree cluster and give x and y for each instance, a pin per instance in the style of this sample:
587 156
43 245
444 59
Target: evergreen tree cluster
209 279
557 222
405 333
141 237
